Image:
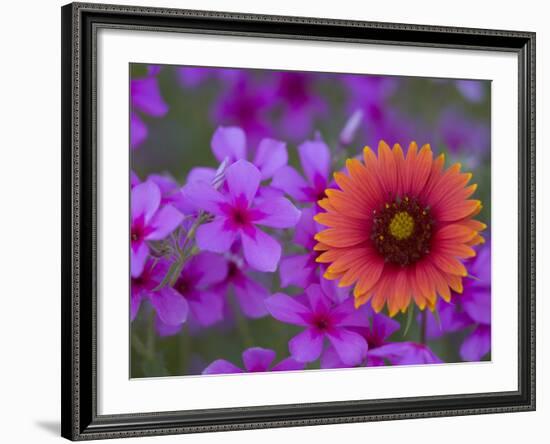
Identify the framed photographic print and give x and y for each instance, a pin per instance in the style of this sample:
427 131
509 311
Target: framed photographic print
280 221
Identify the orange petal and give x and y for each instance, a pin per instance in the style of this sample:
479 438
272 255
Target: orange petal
387 169
455 232
476 241
455 282
370 157
441 285
342 237
325 204
448 264
458 250
459 211
352 257
421 168
321 247
363 299
345 204
337 220
425 284
331 276
369 275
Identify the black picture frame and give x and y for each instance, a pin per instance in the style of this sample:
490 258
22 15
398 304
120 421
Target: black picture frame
80 23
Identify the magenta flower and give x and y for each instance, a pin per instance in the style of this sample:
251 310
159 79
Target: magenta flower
255 359
245 105
405 353
134 179
380 349
170 192
380 119
395 353
315 161
250 294
145 99
321 319
149 221
237 214
196 285
471 309
295 92
301 269
230 143
171 308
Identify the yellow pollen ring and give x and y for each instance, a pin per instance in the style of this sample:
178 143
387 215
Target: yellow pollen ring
401 225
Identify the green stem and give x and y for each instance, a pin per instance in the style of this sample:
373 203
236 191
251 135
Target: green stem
140 347
242 324
423 325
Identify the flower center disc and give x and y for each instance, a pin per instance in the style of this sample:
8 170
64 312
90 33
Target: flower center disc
402 225
401 231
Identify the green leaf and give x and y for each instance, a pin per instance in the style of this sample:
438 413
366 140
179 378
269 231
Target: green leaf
410 316
169 275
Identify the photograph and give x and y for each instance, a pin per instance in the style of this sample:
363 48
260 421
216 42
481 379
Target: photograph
295 220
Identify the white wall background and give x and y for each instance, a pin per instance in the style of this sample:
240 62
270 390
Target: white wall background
30 220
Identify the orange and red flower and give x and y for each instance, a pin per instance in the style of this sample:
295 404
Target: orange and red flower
399 228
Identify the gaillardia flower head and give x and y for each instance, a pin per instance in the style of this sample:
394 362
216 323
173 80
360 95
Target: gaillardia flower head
399 228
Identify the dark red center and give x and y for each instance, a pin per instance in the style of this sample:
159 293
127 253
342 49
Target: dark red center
413 246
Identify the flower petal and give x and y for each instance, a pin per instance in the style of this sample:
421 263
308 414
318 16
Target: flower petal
297 270
203 196
351 347
278 213
201 174
270 156
170 306
210 268
306 346
477 344
206 307
135 302
164 330
288 180
288 364
221 367
315 160
405 353
138 130
349 316
138 256
229 142
330 359
477 304
318 301
257 359
145 199
164 222
261 251
251 296
383 326
242 179
287 309
215 236
305 231
146 96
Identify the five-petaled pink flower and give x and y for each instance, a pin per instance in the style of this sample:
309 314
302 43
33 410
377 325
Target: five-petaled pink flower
149 222
237 214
